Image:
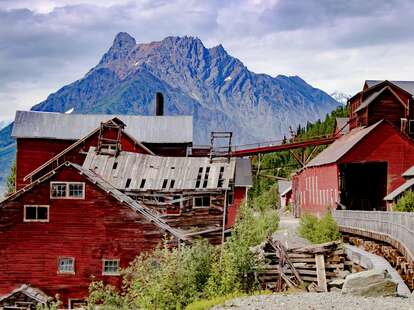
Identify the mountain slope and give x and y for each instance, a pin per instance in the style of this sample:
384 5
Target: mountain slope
215 87
208 83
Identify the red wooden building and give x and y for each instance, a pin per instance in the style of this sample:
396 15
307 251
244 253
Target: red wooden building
57 231
389 100
365 164
43 137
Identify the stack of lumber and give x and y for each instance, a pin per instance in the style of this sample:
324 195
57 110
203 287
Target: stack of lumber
319 264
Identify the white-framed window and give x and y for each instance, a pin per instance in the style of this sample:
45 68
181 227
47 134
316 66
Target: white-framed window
201 202
36 213
110 267
67 190
66 265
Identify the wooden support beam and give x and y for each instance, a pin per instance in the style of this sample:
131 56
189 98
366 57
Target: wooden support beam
320 272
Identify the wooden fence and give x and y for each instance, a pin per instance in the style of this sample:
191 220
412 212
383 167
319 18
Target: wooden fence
393 227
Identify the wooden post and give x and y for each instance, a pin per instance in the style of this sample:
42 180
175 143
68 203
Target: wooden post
320 272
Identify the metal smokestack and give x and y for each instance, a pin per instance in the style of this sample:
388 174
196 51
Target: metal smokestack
159 104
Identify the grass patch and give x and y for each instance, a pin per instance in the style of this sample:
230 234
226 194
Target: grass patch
319 230
205 304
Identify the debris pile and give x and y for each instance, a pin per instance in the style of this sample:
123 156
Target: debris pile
318 267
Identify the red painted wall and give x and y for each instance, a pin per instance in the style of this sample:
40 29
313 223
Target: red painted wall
315 189
385 143
233 210
88 230
32 153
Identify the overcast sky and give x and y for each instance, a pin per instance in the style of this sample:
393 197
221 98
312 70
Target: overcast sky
332 44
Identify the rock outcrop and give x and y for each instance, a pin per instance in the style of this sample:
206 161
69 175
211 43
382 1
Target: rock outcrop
370 283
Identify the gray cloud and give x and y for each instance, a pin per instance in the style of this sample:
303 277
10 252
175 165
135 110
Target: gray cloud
332 44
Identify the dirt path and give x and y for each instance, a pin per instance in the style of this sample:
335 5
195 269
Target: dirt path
288 234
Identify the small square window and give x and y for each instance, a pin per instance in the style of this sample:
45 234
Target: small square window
67 190
201 202
35 213
76 190
59 190
110 267
66 265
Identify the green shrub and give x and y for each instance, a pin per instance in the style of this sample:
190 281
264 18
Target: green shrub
319 231
267 199
171 279
405 203
234 270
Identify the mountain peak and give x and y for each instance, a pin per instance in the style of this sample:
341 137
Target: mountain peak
124 40
123 44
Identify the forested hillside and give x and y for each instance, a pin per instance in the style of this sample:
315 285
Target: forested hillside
283 164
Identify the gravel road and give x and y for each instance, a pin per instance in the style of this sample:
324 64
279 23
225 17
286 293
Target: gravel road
318 301
287 232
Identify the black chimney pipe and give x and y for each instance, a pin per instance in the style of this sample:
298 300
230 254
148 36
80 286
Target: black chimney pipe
159 104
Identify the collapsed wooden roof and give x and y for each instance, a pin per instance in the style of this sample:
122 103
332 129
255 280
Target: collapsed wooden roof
38 296
146 129
147 213
140 172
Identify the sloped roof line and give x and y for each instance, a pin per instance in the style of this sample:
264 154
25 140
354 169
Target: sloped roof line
409 172
375 95
101 183
147 129
399 190
406 86
74 145
32 292
341 146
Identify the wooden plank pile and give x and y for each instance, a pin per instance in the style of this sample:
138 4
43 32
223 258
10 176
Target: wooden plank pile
317 265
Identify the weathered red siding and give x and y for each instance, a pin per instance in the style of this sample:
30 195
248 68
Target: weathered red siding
315 189
385 143
89 230
233 210
32 153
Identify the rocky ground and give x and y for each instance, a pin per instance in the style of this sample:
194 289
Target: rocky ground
319 301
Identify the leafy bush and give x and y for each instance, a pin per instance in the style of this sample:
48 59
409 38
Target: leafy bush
234 271
319 231
405 203
171 279
266 199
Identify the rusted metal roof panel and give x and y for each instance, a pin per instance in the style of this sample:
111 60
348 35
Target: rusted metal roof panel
141 172
341 146
150 129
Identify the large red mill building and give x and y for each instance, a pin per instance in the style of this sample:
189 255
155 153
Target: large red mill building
366 163
90 198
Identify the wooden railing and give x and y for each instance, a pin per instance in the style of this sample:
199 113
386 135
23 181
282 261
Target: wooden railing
398 226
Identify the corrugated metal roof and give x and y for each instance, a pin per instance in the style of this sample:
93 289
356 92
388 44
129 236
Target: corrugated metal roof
129 170
150 129
150 215
399 190
408 86
342 124
409 172
341 146
284 187
243 177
